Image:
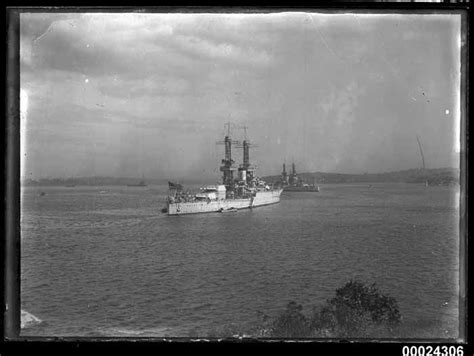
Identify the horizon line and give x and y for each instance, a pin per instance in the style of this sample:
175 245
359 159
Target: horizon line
191 178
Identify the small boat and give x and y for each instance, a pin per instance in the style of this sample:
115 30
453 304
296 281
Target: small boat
140 184
230 210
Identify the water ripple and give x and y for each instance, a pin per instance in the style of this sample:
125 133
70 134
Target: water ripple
111 265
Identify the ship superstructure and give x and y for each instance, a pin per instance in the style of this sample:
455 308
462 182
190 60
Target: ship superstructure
240 187
292 183
293 180
285 180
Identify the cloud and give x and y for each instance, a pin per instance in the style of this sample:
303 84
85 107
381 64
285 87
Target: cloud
154 86
114 44
232 53
332 91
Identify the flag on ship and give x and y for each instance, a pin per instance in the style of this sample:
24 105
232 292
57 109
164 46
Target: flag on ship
176 186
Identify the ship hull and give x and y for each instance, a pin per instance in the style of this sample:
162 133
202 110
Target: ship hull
261 198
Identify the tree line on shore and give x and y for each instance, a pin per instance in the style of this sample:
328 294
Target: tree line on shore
438 176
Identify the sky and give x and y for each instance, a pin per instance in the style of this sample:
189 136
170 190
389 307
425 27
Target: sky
148 94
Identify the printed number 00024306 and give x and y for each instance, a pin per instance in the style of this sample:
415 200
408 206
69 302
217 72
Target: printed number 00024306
422 350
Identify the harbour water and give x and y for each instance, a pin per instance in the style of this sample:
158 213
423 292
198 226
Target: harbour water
104 261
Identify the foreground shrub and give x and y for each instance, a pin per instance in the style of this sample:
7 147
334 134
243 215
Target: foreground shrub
292 323
357 310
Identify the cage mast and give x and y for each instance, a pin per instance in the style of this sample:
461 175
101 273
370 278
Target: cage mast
228 167
246 169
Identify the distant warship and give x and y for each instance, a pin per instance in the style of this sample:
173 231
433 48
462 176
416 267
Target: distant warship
141 183
244 191
292 183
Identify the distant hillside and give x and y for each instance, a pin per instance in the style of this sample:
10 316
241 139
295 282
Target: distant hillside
92 181
100 181
438 176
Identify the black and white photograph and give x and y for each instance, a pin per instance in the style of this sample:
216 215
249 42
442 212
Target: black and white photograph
277 174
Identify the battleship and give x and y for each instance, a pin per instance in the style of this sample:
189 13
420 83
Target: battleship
292 183
244 191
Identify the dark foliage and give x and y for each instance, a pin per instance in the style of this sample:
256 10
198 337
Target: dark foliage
292 323
357 310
